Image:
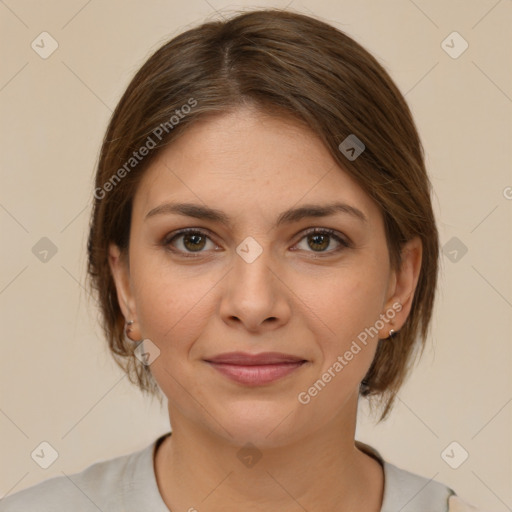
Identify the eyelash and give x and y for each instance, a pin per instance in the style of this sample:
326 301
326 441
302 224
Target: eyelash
166 242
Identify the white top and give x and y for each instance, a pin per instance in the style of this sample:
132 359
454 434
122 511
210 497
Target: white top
128 484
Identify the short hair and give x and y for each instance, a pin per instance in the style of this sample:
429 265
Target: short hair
285 64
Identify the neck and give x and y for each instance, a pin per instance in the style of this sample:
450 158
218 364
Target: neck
197 469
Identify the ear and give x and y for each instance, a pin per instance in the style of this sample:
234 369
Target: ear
402 285
120 269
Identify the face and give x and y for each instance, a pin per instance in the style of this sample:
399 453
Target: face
267 267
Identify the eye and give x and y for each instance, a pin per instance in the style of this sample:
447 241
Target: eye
319 239
193 240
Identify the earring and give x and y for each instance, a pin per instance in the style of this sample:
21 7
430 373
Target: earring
392 334
127 330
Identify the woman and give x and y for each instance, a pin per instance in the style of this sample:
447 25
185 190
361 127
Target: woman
265 252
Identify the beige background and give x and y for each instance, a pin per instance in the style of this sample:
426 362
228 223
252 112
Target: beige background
59 384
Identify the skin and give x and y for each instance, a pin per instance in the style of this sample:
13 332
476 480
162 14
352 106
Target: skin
299 297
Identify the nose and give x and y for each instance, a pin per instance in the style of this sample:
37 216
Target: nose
254 296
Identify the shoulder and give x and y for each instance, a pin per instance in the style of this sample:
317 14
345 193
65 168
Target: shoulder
409 492
414 493
98 487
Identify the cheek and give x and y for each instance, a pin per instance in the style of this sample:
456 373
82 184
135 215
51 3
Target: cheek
171 305
346 302
342 322
173 311
342 314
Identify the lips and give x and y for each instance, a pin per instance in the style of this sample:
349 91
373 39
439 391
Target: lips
255 369
245 359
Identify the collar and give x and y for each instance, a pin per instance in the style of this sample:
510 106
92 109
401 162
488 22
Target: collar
403 490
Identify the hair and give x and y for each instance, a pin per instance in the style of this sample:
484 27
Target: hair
284 64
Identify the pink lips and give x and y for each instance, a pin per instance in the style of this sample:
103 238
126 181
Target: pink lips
255 369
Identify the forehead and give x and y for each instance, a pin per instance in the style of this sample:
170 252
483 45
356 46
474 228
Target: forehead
249 162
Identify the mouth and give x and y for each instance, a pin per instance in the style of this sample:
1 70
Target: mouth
255 369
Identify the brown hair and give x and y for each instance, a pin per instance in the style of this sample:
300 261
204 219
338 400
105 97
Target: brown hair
286 64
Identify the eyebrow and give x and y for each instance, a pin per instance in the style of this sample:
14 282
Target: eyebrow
287 217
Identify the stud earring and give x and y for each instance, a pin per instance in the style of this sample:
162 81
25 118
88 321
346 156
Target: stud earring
127 330
392 334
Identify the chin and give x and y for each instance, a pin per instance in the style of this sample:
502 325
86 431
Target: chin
264 423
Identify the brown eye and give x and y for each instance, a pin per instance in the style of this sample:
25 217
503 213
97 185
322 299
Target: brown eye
319 240
194 242
187 241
